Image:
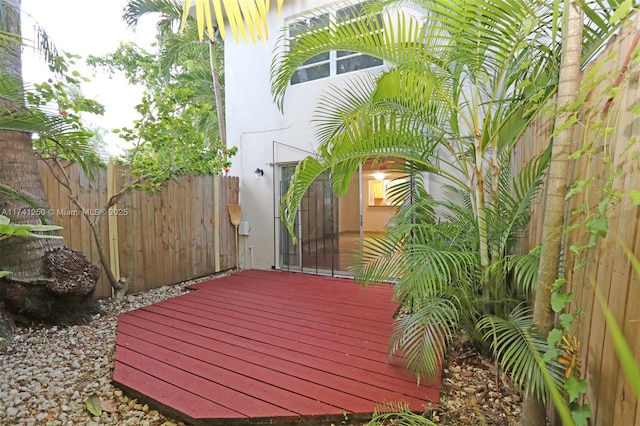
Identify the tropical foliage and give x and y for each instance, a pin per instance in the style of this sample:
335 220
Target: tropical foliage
8 229
460 88
248 16
179 131
449 109
43 109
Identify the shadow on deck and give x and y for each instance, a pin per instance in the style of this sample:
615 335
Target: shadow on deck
267 347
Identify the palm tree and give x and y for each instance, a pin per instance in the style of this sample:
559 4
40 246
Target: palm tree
31 288
461 88
555 206
244 16
450 108
186 43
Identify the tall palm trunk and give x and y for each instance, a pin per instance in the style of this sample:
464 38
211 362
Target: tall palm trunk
569 84
19 170
217 90
44 271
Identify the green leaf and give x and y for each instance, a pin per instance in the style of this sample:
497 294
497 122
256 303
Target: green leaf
554 337
558 283
578 187
44 228
580 265
636 109
4 220
575 387
566 320
581 414
551 355
4 273
634 195
94 405
621 12
7 229
560 300
599 226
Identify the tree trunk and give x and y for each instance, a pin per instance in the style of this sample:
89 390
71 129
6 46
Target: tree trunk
533 412
120 287
215 76
48 280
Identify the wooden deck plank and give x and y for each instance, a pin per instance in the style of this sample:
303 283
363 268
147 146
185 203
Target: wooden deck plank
351 294
322 305
232 354
374 333
276 347
283 322
316 287
170 397
349 315
226 397
267 346
205 363
373 291
335 402
258 331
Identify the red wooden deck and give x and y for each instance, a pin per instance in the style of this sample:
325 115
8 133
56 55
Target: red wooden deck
266 347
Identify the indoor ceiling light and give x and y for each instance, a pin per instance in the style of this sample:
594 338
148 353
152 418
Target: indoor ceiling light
379 175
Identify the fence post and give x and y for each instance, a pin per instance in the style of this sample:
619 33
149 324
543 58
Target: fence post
216 219
112 222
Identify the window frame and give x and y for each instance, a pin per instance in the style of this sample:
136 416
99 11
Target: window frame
334 59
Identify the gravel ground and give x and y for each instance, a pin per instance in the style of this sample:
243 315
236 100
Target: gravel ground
47 375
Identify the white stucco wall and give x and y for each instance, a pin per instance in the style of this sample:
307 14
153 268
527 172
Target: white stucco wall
265 137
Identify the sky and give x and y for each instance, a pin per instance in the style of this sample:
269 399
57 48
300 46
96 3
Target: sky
89 27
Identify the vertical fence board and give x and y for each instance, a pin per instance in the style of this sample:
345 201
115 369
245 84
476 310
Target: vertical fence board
229 195
625 411
163 238
606 267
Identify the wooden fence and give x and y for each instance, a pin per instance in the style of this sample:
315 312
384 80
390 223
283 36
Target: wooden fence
606 269
180 233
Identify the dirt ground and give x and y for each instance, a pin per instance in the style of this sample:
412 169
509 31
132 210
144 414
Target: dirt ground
473 394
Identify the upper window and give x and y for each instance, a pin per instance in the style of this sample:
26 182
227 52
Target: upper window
335 62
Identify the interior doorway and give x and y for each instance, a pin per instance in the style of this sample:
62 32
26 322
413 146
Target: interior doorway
330 230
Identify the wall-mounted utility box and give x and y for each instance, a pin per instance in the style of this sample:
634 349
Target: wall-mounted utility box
244 228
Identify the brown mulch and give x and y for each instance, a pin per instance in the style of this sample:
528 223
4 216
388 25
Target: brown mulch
473 392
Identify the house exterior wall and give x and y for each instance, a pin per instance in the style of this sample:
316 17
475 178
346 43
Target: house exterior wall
266 137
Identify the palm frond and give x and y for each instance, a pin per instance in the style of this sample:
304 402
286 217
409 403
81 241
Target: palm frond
26 198
306 172
380 260
422 337
400 41
515 201
399 414
168 11
70 141
8 229
249 16
518 348
40 41
603 20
